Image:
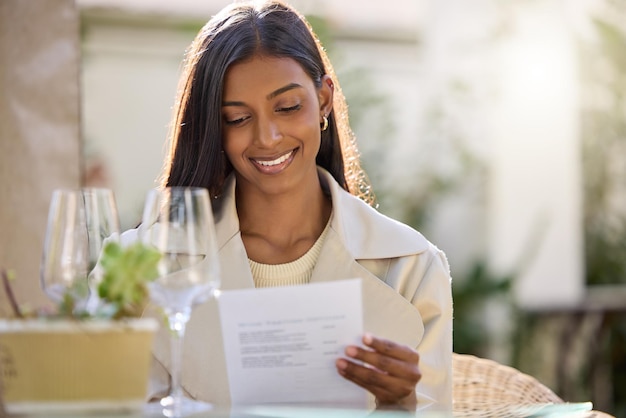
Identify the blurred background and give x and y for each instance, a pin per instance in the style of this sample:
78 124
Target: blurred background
497 129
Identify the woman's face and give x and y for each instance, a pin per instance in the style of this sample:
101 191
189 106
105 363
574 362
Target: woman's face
271 114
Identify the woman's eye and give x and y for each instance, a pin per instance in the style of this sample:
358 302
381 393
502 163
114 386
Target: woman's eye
235 121
289 109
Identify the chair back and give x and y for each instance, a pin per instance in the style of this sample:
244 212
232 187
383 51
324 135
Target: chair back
485 388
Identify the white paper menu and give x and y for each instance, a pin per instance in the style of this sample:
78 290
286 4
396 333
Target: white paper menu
281 343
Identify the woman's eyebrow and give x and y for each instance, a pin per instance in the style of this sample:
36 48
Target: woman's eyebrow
281 90
270 96
233 104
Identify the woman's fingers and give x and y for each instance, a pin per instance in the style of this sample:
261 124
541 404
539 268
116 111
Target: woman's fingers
386 388
392 358
386 369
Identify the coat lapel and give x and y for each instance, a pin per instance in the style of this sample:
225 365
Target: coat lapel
386 314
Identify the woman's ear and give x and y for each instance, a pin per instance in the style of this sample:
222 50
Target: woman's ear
325 95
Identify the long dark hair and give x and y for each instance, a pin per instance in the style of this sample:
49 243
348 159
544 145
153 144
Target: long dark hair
235 34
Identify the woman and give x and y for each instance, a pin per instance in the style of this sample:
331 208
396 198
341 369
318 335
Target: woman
261 122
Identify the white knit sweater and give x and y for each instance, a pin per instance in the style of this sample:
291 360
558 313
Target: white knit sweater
293 273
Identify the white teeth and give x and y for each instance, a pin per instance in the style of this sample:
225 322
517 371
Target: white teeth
276 161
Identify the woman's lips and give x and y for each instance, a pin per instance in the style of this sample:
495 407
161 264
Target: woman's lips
276 165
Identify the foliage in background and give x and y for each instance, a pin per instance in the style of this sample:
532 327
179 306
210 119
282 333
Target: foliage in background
471 297
604 173
604 148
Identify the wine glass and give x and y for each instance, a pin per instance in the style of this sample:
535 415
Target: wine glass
102 220
103 225
78 223
65 259
178 221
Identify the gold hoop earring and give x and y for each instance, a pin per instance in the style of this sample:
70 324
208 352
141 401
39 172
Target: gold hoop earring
324 124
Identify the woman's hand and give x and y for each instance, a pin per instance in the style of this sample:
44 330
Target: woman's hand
389 371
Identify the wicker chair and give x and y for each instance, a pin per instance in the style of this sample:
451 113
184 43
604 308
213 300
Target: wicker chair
485 388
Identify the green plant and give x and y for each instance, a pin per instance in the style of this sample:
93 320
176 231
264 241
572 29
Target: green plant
122 292
126 274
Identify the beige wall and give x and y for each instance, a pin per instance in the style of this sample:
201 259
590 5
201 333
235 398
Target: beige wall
39 129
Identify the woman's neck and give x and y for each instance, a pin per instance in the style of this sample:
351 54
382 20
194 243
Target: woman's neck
280 228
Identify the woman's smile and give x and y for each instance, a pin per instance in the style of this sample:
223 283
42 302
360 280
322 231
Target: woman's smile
274 166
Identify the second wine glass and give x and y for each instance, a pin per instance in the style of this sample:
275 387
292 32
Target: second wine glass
79 221
178 221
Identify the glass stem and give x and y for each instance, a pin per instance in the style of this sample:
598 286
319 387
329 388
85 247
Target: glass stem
177 322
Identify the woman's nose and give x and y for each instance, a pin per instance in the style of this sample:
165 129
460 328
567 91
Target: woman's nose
268 132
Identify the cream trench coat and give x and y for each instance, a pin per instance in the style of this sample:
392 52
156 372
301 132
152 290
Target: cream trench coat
406 295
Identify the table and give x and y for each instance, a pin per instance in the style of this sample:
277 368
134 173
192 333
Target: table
576 410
